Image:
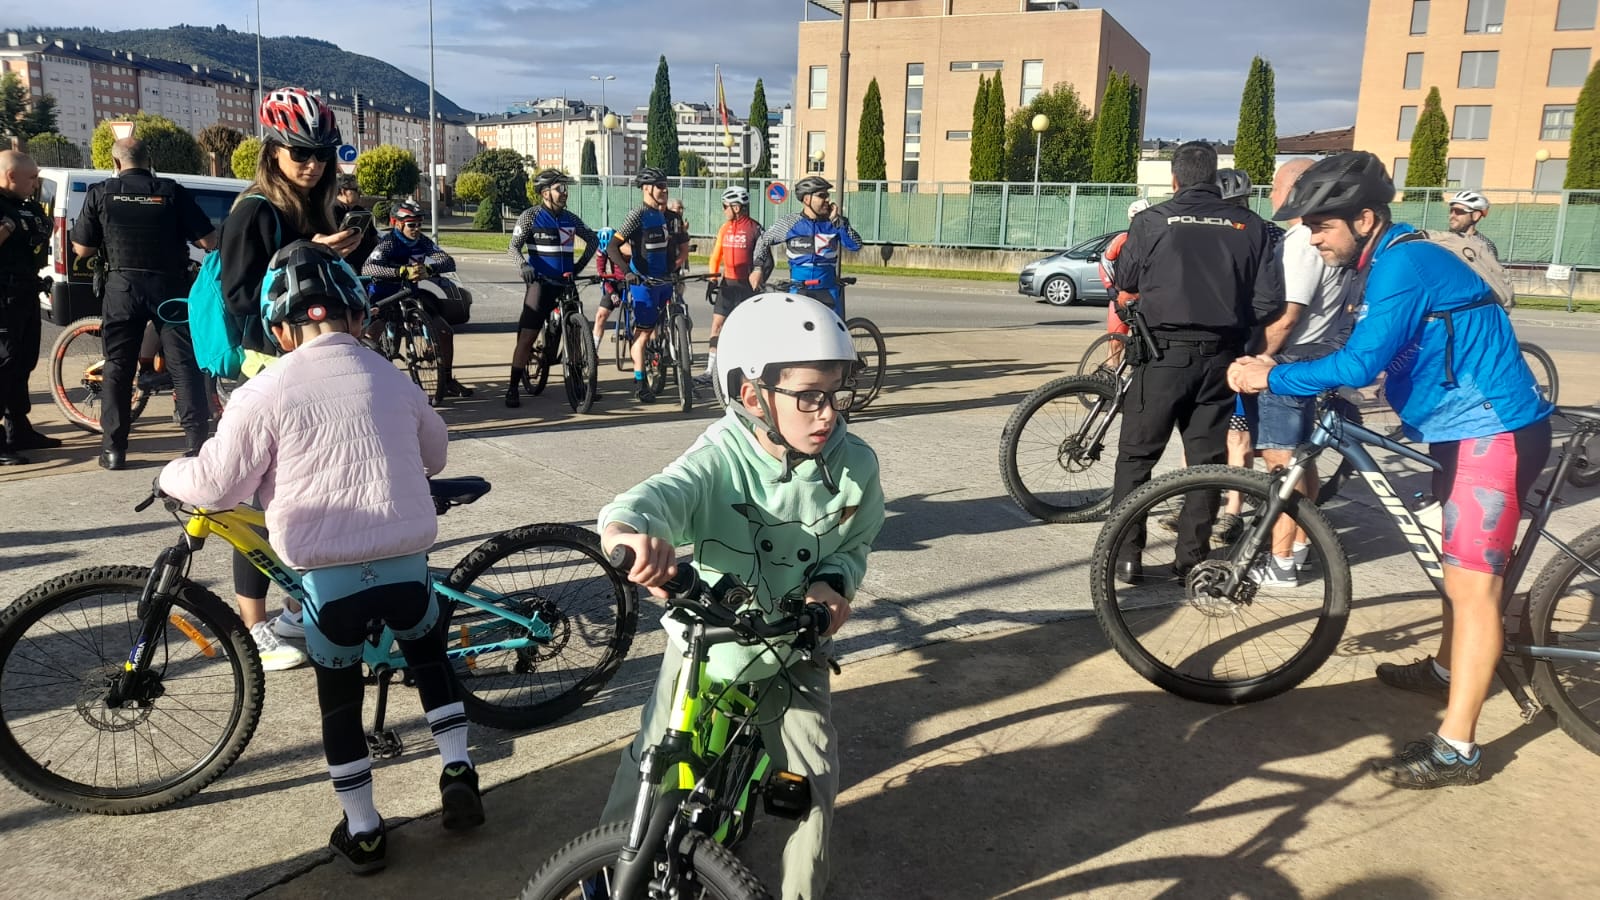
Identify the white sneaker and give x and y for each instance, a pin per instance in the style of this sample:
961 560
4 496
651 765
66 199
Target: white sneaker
287 625
275 655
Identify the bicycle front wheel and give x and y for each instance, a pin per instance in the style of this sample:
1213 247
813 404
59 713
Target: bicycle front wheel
62 646
1176 621
583 869
556 576
683 362
1564 612
1058 450
1543 368
583 370
874 356
420 352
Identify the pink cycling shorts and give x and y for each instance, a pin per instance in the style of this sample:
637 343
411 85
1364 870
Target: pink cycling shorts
1482 485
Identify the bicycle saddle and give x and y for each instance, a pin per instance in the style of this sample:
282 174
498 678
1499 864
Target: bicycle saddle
1585 420
461 490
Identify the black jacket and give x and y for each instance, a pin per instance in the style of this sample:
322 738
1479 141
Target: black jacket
251 234
1201 264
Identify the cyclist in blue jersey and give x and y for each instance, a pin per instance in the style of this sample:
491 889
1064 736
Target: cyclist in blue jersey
657 246
1458 381
542 245
812 239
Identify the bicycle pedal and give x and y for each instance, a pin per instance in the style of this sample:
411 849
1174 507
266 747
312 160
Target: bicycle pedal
787 795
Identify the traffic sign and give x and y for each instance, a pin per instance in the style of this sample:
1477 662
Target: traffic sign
777 193
347 153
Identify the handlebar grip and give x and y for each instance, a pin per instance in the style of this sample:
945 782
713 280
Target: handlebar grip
821 619
145 503
682 582
848 279
622 558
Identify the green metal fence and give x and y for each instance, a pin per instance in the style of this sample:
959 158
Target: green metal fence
1528 227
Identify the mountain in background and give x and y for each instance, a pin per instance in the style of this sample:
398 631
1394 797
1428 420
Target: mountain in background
303 61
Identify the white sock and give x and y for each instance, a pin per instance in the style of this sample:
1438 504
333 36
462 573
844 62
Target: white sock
1441 671
449 726
352 783
1283 562
1464 749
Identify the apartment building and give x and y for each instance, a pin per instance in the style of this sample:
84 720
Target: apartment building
1508 73
927 56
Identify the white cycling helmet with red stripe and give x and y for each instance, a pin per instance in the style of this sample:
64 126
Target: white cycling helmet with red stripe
295 118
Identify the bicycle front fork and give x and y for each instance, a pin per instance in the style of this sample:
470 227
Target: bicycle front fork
135 684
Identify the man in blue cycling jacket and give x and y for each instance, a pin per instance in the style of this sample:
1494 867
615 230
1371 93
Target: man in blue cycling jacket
812 239
542 247
656 241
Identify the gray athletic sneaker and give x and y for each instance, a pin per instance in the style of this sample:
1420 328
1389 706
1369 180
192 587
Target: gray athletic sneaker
1418 676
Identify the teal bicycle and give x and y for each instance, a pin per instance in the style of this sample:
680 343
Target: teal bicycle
697 785
126 689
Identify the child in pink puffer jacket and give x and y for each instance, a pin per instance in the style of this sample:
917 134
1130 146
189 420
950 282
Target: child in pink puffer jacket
339 444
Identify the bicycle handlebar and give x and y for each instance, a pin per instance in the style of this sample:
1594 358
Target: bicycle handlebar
686 591
810 283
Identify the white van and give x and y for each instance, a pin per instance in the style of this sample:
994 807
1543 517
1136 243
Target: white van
62 192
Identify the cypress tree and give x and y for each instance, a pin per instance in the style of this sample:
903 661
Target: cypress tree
976 143
870 164
994 130
1430 145
591 163
1110 125
758 120
1255 148
662 136
1583 164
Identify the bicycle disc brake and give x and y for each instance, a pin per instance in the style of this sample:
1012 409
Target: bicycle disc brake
1206 589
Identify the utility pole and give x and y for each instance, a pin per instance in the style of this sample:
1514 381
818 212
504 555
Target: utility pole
261 89
433 124
844 89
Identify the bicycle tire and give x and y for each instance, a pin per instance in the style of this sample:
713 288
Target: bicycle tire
583 371
1075 453
717 872
1165 601
81 402
420 352
874 356
1543 368
1588 474
683 362
596 609
1578 716
208 625
1099 350
655 363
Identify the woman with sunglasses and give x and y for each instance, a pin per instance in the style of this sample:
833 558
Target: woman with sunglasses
290 199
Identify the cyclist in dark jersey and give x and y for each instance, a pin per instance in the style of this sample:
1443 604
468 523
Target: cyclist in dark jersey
812 239
542 245
657 243
404 257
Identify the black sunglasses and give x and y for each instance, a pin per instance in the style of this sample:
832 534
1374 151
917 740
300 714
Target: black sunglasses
307 154
811 401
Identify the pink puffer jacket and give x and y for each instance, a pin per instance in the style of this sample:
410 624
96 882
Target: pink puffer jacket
339 443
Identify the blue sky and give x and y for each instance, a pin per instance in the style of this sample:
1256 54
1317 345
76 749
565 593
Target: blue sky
493 52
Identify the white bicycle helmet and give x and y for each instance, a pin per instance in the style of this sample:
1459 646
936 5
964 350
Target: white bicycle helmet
736 195
1471 200
1138 206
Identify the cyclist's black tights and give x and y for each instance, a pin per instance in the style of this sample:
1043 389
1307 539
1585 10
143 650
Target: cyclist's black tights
340 691
248 581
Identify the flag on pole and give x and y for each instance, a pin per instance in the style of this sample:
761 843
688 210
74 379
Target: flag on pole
722 104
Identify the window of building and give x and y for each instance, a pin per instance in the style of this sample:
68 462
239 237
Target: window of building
819 87
1401 165
1575 15
987 65
1413 71
1408 123
1485 16
958 135
1478 69
1557 123
1419 16
1550 175
1464 172
1568 68
911 152
1471 123
1032 80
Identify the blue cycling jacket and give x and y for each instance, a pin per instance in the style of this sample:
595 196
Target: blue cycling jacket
547 239
812 246
1402 329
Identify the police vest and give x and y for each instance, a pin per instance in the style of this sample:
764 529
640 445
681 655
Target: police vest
143 228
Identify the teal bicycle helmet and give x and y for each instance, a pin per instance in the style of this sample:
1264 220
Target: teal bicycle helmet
307 282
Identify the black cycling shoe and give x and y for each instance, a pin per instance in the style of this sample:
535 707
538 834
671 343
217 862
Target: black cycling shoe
644 393
460 798
512 400
362 853
1429 763
454 388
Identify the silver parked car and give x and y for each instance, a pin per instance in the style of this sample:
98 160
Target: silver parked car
1069 276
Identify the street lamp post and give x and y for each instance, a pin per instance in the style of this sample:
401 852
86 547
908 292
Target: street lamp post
817 156
607 122
1040 123
433 124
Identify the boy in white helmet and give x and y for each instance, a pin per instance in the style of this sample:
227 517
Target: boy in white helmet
780 495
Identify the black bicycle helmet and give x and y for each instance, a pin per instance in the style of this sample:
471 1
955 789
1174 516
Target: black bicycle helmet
549 178
811 184
1234 184
1343 184
307 282
650 175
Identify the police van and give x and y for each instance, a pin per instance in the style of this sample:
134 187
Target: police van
62 193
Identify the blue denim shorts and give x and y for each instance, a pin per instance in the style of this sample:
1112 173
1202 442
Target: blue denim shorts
1285 422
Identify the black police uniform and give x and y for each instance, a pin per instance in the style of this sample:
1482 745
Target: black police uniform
23 254
143 226
1206 276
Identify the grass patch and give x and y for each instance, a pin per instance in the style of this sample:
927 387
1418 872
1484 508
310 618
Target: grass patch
475 240
1559 304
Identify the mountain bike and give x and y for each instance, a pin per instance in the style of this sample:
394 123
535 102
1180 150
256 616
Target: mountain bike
566 339
126 689
864 333
401 328
669 351
1206 631
697 785
77 375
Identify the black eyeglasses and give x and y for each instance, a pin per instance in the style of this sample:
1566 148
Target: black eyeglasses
820 195
811 401
307 154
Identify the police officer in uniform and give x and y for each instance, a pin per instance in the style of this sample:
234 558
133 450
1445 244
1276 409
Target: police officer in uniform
144 225
1206 276
24 239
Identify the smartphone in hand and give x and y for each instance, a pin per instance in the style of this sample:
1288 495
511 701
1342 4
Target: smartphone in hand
358 220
